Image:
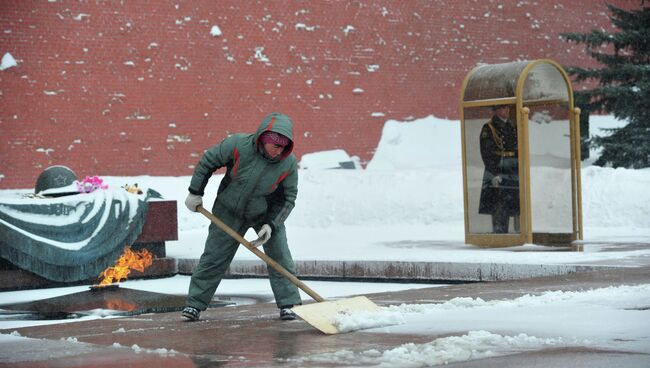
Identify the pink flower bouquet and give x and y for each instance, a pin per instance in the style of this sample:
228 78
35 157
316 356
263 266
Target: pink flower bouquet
91 183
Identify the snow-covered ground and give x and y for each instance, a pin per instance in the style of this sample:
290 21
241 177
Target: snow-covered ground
607 318
408 205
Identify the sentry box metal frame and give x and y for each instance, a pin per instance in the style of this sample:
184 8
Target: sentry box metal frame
544 158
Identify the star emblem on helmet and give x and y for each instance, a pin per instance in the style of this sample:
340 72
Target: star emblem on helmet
61 181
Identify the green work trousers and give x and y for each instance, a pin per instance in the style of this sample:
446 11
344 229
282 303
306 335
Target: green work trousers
220 249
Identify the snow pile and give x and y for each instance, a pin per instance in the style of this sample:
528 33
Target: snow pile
137 349
501 327
625 295
424 143
538 315
332 159
346 322
473 345
13 336
363 197
615 197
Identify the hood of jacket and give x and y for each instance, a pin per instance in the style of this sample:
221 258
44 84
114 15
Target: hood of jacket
279 123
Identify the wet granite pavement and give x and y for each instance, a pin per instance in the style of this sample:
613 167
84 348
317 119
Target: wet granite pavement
253 336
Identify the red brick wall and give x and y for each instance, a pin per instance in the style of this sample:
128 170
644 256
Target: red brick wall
142 87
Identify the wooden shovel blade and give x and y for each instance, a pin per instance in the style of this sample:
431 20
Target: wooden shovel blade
322 315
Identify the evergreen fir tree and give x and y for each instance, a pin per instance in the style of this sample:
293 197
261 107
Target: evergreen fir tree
623 85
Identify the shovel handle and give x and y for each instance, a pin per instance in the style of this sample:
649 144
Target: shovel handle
268 260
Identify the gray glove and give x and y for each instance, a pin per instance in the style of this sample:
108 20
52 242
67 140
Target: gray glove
496 181
263 236
192 201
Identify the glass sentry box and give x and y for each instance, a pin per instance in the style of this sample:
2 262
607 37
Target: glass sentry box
521 155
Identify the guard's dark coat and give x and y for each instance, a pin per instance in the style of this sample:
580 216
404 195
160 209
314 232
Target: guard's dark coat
499 154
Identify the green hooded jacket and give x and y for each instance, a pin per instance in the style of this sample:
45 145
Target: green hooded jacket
255 187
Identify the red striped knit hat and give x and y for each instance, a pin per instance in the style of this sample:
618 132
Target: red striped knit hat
274 138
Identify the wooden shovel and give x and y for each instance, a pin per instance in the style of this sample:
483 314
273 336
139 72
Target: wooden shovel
322 314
